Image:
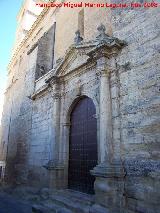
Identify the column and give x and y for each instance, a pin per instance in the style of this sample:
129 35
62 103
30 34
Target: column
56 122
64 153
106 150
109 173
53 166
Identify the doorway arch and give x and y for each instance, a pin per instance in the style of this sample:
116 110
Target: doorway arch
83 154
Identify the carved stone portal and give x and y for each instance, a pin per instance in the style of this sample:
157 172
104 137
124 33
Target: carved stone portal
94 57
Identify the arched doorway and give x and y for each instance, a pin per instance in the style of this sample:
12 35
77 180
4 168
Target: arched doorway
82 146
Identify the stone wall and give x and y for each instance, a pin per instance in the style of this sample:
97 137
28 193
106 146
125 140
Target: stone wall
40 140
27 124
135 106
17 118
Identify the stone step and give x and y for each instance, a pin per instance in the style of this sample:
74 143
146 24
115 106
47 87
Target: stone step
99 209
75 204
58 201
65 201
59 209
78 196
42 209
49 209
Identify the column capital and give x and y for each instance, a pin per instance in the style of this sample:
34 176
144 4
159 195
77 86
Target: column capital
53 80
54 87
105 66
56 95
103 72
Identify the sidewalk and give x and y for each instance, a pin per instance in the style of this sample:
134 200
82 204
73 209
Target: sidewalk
8 204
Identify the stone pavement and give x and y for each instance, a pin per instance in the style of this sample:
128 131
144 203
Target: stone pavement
34 200
9 204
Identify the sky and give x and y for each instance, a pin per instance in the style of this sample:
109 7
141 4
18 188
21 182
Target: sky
8 12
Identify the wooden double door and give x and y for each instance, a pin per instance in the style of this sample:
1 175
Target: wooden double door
82 146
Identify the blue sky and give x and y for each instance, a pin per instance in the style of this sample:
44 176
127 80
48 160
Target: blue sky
8 13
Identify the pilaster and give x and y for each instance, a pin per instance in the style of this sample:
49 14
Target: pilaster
109 173
54 166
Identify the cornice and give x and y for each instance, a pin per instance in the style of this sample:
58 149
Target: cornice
96 50
103 46
39 92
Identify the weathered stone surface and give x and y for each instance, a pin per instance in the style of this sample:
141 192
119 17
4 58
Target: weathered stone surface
98 209
124 84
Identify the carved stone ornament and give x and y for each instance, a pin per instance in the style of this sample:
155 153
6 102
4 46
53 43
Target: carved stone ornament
79 91
78 39
56 95
102 35
105 38
52 80
104 46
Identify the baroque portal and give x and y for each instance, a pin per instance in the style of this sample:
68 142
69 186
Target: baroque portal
84 117
83 153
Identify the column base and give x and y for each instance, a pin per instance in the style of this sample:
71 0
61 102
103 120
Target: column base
57 177
109 186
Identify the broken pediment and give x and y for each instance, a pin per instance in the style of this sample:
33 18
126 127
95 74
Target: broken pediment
74 59
82 53
79 56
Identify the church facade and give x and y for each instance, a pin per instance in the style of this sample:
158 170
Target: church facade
82 106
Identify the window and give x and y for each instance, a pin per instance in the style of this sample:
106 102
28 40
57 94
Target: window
45 55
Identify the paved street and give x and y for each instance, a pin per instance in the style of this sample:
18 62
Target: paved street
9 204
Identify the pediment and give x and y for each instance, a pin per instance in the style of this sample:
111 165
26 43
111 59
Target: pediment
82 53
74 58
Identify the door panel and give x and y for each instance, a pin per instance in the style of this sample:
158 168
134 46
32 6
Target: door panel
83 146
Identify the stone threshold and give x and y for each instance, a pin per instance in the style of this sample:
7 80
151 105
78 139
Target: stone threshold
45 200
